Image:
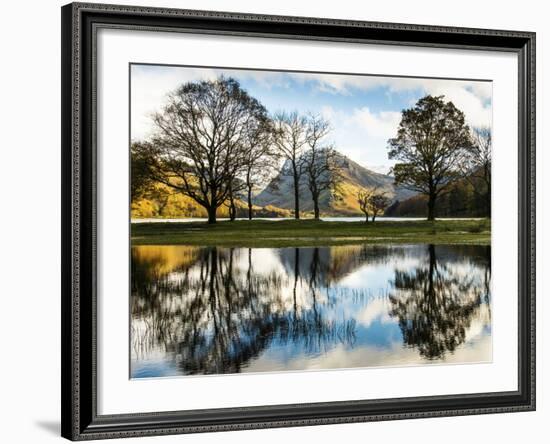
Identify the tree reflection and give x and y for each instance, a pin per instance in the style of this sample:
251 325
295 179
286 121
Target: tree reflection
218 315
220 310
436 302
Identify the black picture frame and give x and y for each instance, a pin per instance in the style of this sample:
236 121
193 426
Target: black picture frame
80 420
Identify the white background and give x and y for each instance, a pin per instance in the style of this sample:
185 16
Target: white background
30 186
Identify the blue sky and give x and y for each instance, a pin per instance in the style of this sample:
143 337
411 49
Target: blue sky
364 111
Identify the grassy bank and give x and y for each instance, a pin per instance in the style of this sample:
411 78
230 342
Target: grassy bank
290 233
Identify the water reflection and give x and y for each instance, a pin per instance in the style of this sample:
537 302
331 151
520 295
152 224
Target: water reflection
211 310
436 304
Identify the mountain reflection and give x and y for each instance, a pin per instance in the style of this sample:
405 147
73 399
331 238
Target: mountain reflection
212 310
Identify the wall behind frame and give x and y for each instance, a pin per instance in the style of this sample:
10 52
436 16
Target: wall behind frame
30 220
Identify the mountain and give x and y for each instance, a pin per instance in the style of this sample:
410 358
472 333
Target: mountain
280 191
163 202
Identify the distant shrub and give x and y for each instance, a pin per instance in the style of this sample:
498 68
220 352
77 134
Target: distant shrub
478 228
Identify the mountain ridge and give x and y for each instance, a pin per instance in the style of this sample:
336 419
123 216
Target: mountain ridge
341 202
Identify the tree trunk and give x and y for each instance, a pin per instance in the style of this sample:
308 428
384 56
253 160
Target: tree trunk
296 195
431 206
232 210
366 218
316 208
211 208
487 177
488 202
249 202
211 214
373 216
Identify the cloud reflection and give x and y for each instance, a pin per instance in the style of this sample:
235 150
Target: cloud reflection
216 310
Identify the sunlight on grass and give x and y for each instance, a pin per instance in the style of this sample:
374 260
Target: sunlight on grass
258 233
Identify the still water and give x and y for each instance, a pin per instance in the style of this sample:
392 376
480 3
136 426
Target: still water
212 310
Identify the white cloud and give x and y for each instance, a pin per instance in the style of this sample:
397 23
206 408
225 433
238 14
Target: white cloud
342 84
477 113
362 134
377 309
149 90
472 97
382 124
393 355
150 85
482 89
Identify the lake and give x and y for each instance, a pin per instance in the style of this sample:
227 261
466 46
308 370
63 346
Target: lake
212 310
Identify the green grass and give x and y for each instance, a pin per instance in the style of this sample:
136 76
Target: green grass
291 233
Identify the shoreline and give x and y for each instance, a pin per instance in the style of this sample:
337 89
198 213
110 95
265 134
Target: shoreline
280 219
304 233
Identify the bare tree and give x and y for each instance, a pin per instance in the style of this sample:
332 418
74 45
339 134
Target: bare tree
201 135
378 201
259 158
372 201
290 139
430 145
236 190
477 165
363 199
320 163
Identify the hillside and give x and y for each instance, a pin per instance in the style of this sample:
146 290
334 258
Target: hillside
277 198
163 202
279 192
461 200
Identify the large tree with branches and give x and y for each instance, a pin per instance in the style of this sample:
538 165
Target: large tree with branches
477 165
291 135
430 147
201 135
259 158
320 162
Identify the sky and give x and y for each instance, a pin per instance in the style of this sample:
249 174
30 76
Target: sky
364 111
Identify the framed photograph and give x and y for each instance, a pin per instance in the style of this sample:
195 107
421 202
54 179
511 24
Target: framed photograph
282 221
